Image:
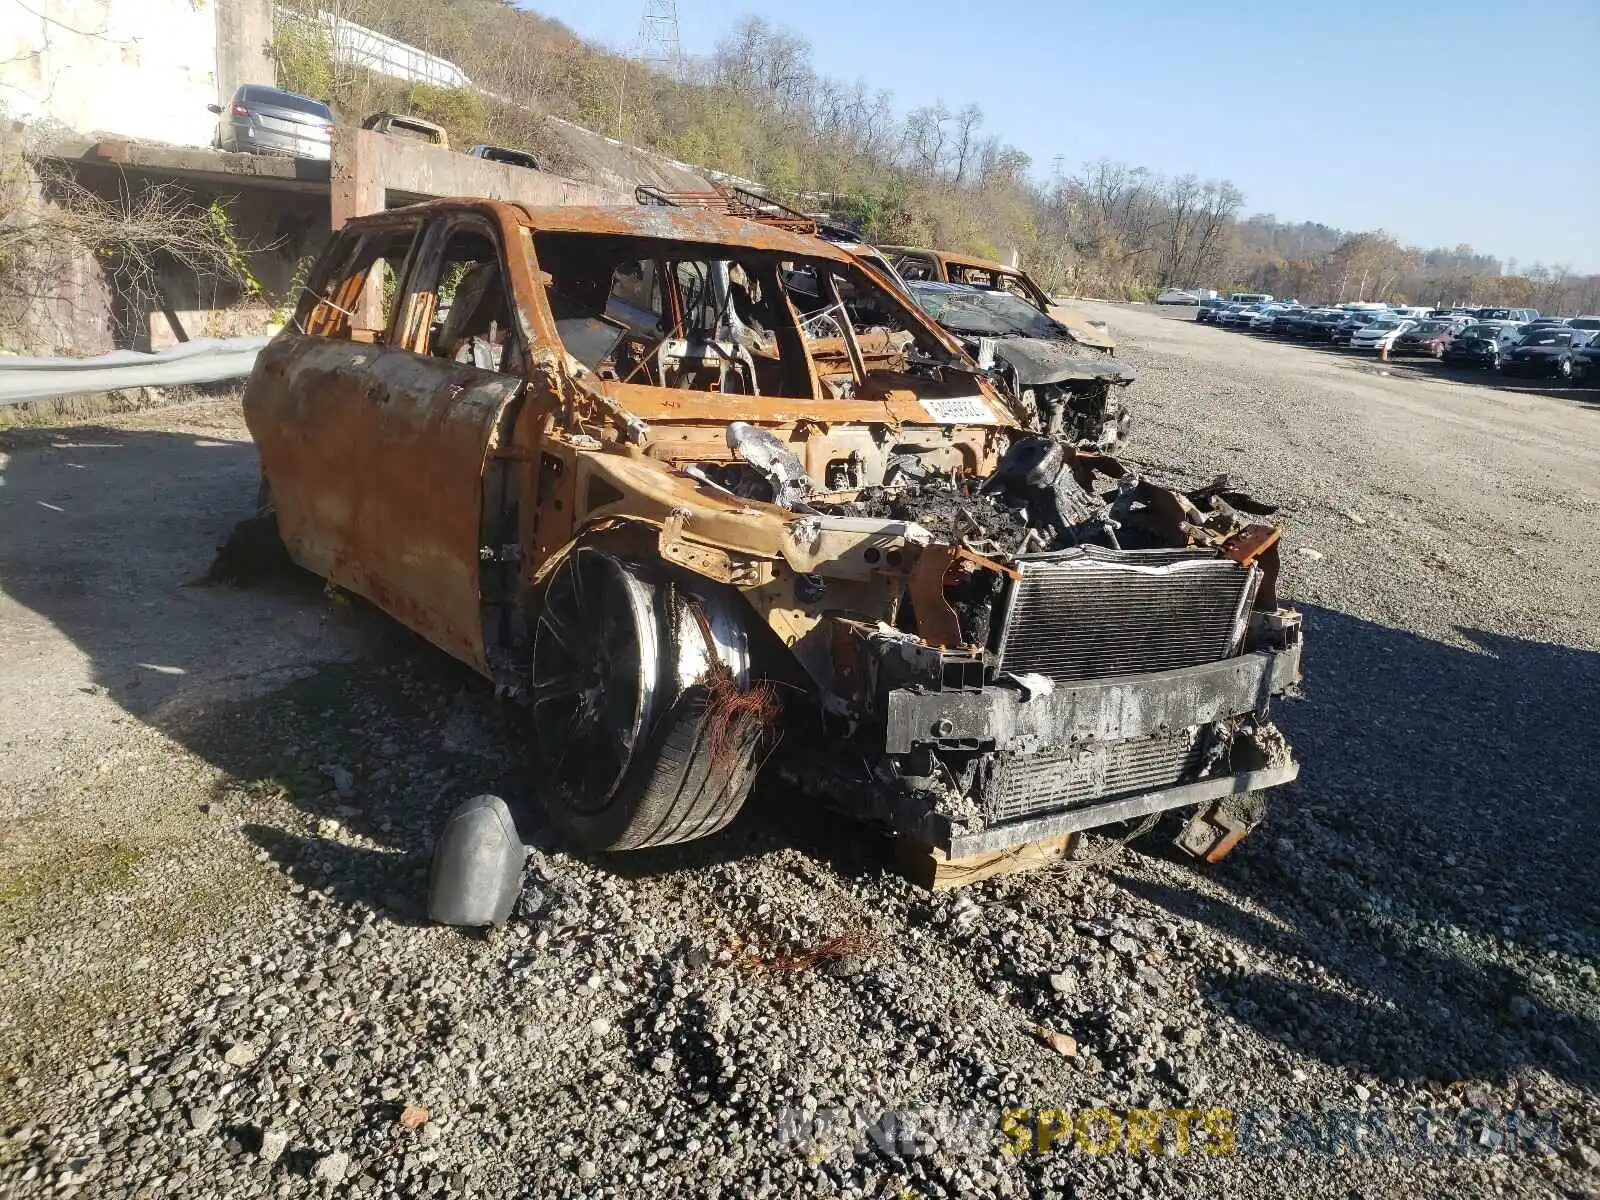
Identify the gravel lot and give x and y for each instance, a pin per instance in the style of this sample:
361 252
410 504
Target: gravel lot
219 807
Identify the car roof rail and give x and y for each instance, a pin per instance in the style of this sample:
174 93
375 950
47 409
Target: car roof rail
740 202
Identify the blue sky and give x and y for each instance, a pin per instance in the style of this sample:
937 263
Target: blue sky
1442 122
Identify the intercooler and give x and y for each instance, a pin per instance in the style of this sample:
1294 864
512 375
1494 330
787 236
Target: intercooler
1092 613
1025 784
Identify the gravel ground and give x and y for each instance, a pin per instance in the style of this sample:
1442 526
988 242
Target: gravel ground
220 804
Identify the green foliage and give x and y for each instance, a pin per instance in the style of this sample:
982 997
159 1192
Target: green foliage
304 60
238 266
464 114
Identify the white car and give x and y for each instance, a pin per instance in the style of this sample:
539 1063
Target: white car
1186 295
1380 335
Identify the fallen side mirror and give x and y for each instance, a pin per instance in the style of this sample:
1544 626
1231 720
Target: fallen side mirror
216 108
477 865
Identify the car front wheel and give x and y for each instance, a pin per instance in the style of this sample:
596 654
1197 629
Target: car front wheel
645 727
1564 368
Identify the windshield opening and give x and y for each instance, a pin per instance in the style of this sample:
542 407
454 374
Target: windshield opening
984 313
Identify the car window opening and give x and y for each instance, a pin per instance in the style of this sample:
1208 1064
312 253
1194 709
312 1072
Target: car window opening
458 307
356 299
667 315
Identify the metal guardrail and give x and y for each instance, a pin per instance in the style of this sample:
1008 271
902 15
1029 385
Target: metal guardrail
203 360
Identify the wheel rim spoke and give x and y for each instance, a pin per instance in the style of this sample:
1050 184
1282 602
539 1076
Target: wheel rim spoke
587 699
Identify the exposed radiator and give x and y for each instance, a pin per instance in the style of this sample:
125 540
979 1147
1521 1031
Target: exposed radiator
1091 613
1025 785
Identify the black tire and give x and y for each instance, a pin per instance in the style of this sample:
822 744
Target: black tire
681 790
630 756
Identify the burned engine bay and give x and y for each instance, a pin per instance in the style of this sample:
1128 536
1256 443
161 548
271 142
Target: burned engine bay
1070 639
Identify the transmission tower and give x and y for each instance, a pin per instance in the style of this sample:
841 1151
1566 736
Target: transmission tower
658 44
657 47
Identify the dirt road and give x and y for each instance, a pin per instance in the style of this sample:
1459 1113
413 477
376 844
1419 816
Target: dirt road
218 807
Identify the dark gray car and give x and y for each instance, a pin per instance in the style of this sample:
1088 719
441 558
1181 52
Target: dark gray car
264 120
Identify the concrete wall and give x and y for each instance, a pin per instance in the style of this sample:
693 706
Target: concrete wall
372 171
140 68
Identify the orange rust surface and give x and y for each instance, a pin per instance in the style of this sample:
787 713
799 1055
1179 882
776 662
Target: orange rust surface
376 455
376 473
1251 542
679 225
937 622
897 406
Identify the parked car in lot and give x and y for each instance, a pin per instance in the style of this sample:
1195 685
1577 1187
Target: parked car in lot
1319 326
1520 315
1545 351
267 120
1250 298
1243 317
1586 361
1353 323
1590 323
1481 344
1209 309
1261 322
1380 334
730 546
1425 337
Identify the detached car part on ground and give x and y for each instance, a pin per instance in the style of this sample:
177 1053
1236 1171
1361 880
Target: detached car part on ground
1066 390
698 540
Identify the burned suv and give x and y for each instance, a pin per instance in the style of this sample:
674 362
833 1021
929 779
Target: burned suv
603 457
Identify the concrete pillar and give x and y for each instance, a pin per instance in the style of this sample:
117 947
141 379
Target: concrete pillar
356 185
355 188
244 35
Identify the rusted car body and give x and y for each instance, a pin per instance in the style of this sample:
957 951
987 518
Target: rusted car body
699 538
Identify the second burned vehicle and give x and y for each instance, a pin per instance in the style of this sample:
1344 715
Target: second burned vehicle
603 457
1066 390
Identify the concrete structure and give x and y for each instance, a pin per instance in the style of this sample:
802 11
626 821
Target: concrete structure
373 171
286 207
244 38
136 68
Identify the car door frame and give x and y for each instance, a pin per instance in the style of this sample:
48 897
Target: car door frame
376 456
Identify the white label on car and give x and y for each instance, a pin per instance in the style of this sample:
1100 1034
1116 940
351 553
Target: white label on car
960 410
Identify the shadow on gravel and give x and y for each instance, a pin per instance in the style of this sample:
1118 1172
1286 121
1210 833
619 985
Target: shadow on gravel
105 533
1437 855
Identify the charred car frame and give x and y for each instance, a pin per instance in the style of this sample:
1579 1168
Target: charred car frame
610 459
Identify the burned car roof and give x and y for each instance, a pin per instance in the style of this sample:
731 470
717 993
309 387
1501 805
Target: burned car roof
679 225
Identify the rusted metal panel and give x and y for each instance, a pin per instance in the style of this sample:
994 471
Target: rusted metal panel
375 457
681 225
